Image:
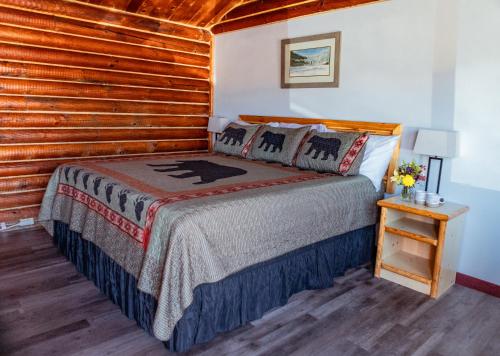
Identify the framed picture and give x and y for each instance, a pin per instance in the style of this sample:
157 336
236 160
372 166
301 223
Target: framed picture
311 62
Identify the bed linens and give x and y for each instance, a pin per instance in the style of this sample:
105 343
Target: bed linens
176 222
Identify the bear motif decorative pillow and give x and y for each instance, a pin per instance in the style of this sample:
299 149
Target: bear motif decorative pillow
236 139
336 152
275 144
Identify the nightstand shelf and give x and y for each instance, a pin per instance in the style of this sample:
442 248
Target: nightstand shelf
414 229
418 247
410 266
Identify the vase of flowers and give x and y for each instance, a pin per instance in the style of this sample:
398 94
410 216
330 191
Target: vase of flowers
407 175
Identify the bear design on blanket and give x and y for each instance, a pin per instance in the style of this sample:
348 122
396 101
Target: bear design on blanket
208 172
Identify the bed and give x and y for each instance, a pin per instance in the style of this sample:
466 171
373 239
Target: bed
193 245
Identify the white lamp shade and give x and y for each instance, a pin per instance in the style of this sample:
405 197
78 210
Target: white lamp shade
217 124
437 143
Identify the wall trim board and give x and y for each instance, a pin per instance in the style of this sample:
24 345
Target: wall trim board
478 284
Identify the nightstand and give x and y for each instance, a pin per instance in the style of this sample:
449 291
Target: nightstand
418 247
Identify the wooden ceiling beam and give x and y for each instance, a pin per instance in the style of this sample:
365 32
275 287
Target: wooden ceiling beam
185 10
258 7
134 5
287 12
223 11
154 8
115 4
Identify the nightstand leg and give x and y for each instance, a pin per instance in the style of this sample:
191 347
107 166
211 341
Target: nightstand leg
380 243
436 270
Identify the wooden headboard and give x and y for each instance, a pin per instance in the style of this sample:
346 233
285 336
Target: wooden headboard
375 128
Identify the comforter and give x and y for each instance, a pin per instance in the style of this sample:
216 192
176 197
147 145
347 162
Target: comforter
176 222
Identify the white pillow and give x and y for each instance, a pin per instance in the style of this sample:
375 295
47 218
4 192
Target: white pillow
317 127
377 157
244 123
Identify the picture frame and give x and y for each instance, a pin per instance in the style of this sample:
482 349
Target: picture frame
311 61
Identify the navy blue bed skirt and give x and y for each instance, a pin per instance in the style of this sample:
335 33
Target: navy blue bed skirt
232 302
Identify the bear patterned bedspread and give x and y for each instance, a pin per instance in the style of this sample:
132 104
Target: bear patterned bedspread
177 221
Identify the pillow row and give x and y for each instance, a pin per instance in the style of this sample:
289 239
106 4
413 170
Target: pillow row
318 127
336 152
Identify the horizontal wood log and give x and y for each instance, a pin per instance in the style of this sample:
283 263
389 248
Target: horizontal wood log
20 52
89 29
101 15
97 91
26 152
11 169
10 184
60 41
13 200
38 71
13 215
91 105
98 120
15 136
283 14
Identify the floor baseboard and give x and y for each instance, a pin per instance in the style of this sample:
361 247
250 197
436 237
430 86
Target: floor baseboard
478 284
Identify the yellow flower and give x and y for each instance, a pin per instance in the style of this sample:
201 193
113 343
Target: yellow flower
408 181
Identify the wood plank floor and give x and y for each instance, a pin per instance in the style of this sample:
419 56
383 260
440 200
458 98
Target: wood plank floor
47 308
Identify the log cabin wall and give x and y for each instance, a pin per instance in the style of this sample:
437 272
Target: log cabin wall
79 81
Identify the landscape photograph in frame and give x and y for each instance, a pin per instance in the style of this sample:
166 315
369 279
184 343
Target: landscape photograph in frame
311 62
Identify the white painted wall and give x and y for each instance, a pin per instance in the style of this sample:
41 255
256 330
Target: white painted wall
425 63
475 177
388 76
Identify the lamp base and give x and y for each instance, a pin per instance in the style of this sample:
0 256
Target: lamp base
429 166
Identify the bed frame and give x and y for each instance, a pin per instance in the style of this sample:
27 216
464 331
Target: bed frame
375 128
242 296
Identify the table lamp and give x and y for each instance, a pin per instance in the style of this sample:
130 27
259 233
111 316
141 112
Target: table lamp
437 144
216 125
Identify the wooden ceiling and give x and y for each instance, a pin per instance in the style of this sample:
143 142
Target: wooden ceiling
226 15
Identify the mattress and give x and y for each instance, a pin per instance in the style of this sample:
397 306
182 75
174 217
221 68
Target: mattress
177 222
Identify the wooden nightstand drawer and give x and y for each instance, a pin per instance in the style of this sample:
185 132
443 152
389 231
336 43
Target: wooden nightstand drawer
418 247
